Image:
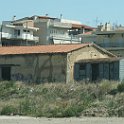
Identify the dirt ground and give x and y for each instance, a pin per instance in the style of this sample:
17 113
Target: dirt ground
83 120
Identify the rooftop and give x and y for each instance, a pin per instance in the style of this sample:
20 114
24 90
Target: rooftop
109 32
81 25
40 49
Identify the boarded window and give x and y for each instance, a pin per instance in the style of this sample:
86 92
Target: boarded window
82 71
6 72
17 32
76 71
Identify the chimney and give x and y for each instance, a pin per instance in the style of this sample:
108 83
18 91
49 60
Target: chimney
46 14
61 16
14 18
35 17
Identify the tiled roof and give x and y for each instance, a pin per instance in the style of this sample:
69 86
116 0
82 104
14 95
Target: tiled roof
87 33
43 49
81 25
46 17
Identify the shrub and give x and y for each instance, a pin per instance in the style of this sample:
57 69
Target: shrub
113 92
96 109
120 111
120 87
53 112
9 110
72 111
7 84
62 100
27 106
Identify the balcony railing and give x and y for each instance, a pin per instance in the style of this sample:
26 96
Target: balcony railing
60 24
35 38
20 37
64 39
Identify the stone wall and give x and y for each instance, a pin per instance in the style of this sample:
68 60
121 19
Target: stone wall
82 54
36 68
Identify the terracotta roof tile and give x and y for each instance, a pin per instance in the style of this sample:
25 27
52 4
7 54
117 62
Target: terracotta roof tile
46 17
14 50
81 25
87 33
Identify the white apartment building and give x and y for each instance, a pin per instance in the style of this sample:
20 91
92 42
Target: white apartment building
58 31
18 33
42 30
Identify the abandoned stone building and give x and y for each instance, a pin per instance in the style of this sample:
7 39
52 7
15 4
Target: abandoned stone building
59 63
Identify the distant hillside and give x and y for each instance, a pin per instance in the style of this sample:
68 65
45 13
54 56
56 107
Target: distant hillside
62 100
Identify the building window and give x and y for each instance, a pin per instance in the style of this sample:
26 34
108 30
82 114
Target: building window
82 67
17 32
6 73
82 71
62 32
26 30
51 31
119 54
54 31
18 24
109 35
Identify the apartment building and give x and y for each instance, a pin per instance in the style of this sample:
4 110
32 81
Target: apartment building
19 32
107 36
58 30
42 30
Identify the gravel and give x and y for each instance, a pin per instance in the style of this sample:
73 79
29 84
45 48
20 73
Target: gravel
82 120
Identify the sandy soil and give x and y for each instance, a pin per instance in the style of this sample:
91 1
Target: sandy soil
83 120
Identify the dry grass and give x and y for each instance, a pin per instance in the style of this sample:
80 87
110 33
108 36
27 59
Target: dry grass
61 100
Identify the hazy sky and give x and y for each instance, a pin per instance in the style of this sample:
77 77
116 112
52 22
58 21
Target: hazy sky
87 11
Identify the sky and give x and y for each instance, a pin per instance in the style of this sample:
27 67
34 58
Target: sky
90 12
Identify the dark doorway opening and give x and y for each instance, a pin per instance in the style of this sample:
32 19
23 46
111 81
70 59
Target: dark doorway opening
6 72
95 72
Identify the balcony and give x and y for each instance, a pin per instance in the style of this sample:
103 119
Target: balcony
65 39
27 37
60 24
36 39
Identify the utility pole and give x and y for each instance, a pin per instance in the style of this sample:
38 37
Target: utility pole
96 21
1 28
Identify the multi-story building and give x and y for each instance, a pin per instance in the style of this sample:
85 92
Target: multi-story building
19 32
59 31
52 31
108 37
42 30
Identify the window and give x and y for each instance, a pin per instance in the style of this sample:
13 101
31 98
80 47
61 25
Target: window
26 30
82 67
6 72
62 32
54 31
18 24
119 54
17 32
82 71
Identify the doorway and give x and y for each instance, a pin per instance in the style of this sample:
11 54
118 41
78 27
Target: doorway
6 72
95 71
